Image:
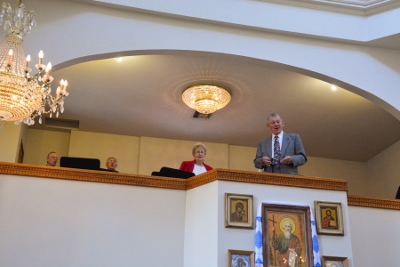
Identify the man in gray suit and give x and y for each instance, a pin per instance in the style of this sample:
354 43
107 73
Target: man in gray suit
282 152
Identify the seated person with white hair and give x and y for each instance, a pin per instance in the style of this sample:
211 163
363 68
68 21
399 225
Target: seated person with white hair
197 165
112 164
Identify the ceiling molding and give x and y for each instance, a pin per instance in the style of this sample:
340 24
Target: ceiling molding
355 7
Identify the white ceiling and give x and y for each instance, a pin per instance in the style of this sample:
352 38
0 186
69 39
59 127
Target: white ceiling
356 7
141 96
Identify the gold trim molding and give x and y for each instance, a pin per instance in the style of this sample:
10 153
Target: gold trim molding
196 181
369 202
266 178
172 183
91 176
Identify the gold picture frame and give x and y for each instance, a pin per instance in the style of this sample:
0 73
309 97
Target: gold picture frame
285 226
332 261
239 211
329 218
240 258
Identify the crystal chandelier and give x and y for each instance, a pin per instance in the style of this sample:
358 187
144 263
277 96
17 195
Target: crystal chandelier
206 99
23 97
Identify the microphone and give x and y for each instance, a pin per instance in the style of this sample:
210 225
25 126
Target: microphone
274 162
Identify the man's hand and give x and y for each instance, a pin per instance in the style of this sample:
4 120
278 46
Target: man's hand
286 160
266 160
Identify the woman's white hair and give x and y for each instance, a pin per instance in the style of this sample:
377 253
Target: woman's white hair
198 145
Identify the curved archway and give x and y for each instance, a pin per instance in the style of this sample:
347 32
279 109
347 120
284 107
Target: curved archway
145 90
359 69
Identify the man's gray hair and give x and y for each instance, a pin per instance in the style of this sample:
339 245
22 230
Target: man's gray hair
274 115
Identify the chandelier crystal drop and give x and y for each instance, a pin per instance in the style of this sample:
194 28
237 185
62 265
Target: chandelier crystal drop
206 99
23 97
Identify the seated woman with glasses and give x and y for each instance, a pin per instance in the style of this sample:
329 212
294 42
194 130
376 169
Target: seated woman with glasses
196 165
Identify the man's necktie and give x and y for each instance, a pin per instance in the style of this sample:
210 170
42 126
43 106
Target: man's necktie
277 152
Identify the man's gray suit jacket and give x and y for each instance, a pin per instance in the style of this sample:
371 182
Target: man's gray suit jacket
291 146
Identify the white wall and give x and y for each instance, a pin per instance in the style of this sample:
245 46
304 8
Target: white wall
338 246
51 222
383 173
202 227
373 235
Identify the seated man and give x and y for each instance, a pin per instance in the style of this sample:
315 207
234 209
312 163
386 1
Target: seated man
52 159
112 164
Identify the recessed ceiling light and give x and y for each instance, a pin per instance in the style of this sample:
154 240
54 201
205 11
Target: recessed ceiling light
119 59
333 87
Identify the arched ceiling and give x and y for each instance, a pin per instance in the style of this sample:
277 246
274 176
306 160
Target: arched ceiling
141 96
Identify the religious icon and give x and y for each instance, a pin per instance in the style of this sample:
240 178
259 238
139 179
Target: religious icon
330 261
240 258
288 237
329 218
238 210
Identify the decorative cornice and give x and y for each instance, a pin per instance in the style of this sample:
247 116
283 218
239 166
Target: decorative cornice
173 183
266 178
196 181
369 202
91 176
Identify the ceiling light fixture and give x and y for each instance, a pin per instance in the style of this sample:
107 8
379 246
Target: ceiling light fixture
24 97
206 99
